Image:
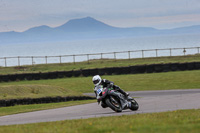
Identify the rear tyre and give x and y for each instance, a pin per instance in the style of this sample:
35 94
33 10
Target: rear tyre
134 105
114 104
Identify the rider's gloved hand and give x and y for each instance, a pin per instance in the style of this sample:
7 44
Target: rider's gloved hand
110 85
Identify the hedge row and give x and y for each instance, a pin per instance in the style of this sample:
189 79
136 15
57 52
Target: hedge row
12 102
103 71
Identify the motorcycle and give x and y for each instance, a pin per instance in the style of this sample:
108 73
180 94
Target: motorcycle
115 100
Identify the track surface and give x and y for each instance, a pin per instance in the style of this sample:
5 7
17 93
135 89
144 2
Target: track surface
149 101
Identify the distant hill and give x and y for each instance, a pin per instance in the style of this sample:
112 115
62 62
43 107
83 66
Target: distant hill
86 28
84 25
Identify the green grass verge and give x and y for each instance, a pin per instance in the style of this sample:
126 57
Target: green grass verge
36 107
97 64
34 90
78 85
181 121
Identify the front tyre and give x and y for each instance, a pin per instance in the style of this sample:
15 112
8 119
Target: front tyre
134 105
114 104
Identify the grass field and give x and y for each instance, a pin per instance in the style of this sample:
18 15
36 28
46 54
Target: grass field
181 121
97 64
176 121
78 85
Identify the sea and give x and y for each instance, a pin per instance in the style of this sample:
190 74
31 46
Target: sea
62 52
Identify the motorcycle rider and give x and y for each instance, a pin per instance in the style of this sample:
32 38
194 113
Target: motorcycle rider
106 83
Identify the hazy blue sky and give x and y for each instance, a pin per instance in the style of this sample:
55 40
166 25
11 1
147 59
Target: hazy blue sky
20 15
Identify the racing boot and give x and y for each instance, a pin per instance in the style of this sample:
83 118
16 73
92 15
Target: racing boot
121 91
126 94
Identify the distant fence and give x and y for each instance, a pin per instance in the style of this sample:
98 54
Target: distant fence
32 60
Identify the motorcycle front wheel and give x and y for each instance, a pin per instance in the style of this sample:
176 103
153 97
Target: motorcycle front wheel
134 105
114 104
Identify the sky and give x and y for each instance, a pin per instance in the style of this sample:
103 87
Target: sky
20 15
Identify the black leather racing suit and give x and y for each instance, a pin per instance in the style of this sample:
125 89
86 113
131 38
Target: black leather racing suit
107 83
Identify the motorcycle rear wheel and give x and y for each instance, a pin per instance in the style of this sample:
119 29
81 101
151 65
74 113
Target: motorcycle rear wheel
114 104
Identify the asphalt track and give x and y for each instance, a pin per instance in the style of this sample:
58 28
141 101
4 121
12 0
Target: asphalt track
149 101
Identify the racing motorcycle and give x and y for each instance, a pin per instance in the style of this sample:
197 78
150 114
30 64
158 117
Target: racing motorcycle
115 100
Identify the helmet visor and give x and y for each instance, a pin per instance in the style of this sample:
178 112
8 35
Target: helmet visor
96 82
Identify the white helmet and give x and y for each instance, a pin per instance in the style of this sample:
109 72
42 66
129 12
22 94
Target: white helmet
96 80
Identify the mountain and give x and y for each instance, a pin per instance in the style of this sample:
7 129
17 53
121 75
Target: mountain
184 30
40 29
86 28
84 25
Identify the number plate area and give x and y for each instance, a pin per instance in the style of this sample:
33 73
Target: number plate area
99 91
